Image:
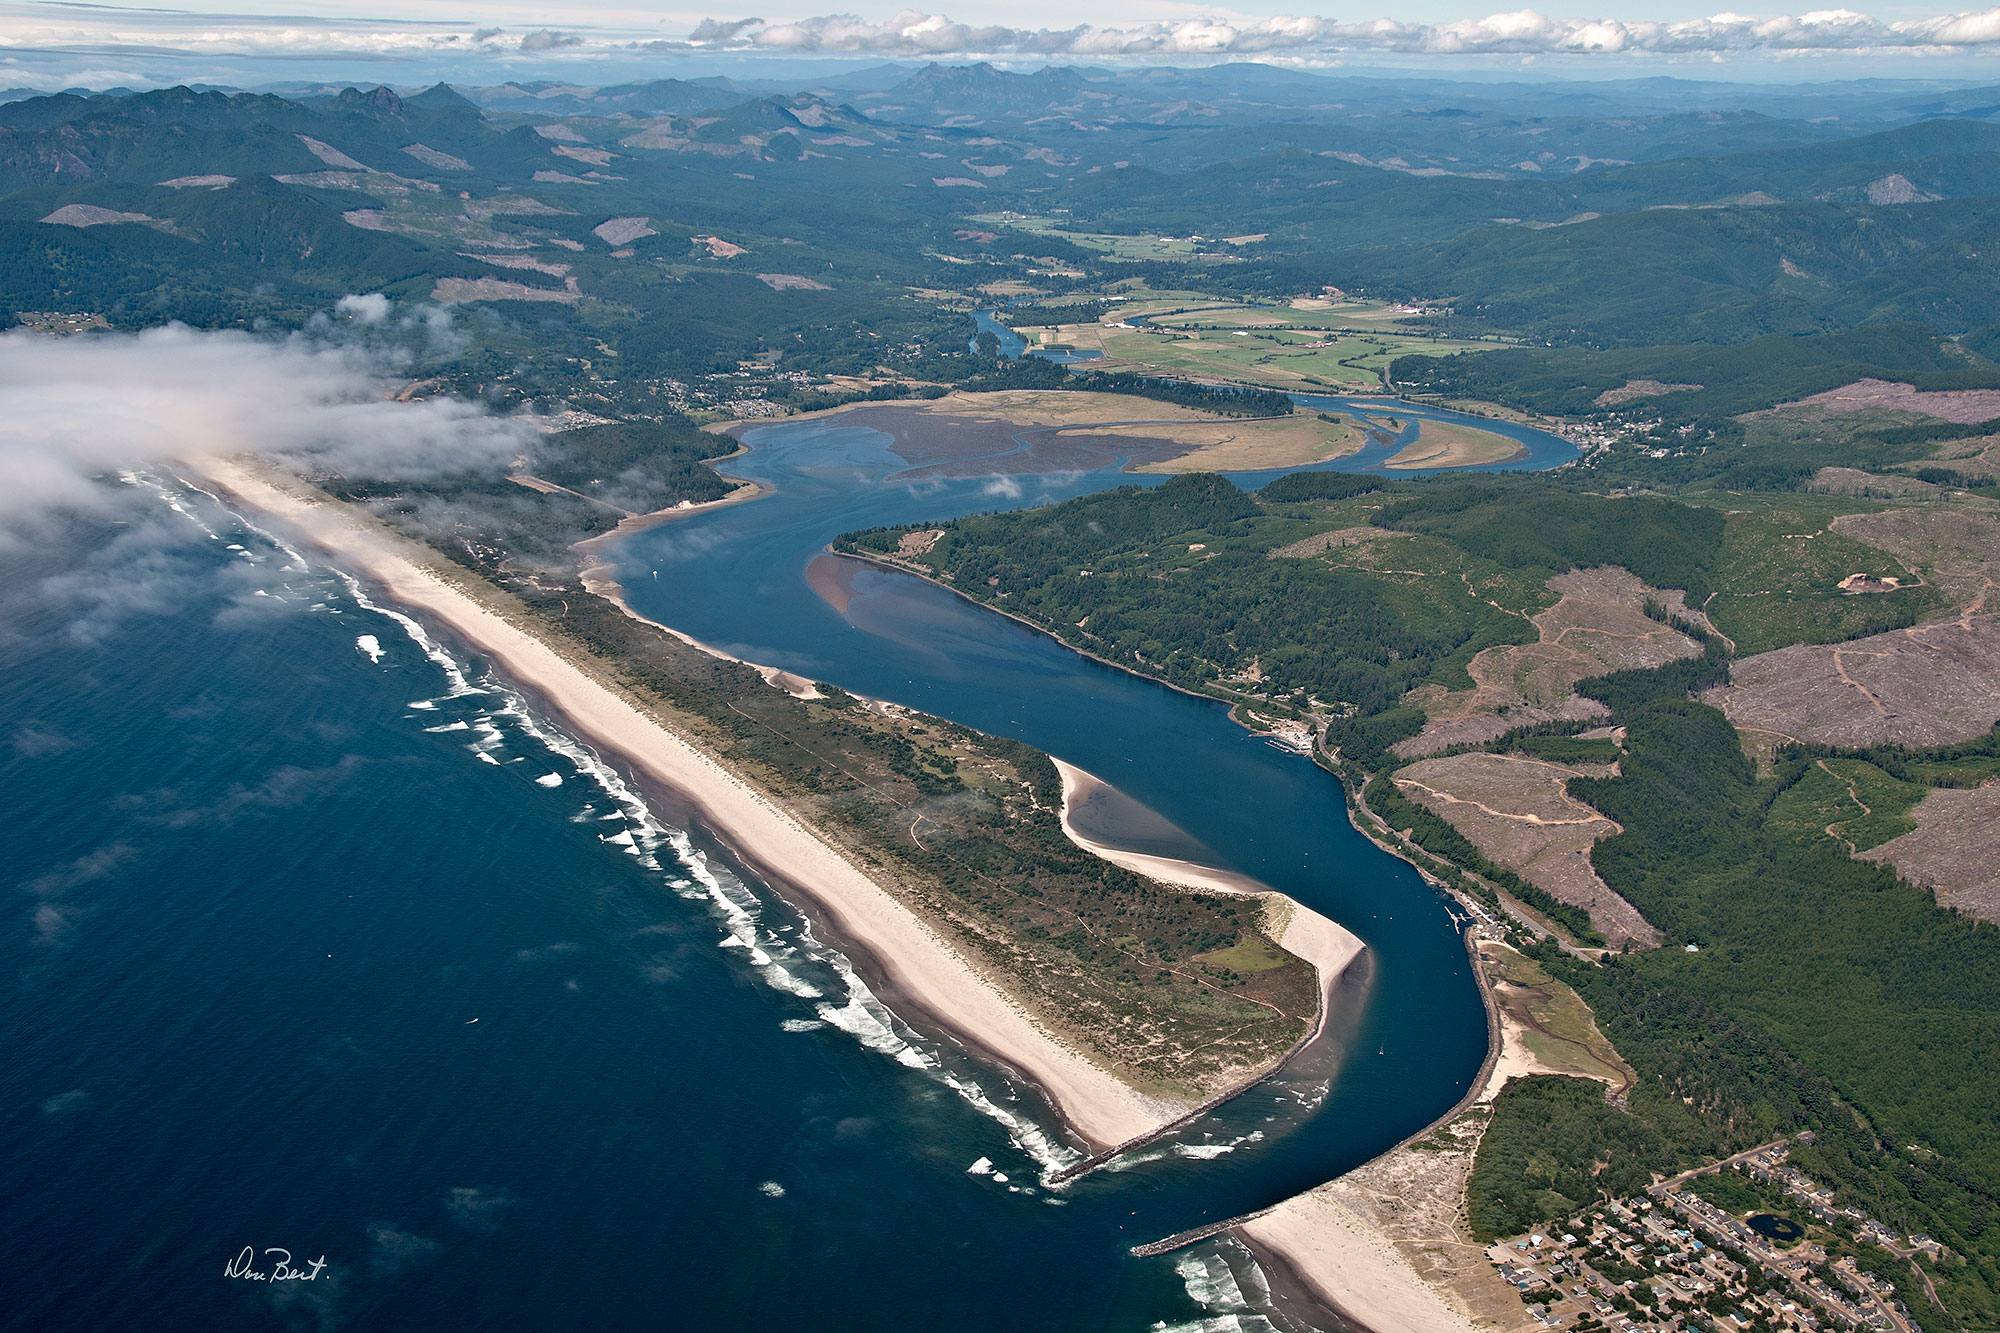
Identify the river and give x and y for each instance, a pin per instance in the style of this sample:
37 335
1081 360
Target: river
322 942
1413 1033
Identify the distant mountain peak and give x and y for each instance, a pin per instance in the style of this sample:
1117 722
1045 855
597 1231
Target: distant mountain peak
381 100
440 96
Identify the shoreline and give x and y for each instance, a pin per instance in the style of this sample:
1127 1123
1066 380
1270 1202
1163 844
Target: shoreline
1328 947
887 562
1108 1116
1318 1246
918 964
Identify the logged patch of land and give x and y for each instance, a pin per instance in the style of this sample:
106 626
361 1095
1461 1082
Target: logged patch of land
1965 406
1930 684
1322 542
452 291
1954 849
1516 811
1598 625
1958 551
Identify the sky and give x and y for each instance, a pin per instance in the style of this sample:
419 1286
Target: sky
253 43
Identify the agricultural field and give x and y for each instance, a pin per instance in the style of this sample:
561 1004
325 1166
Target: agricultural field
1300 359
1130 248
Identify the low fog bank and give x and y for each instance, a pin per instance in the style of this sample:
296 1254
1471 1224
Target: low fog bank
83 407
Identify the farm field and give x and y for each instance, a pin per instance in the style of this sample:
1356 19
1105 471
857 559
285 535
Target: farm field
1280 358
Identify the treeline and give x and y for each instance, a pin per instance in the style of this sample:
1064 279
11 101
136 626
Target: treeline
1706 383
1042 316
1534 523
636 465
1554 1148
1967 764
1297 487
1034 372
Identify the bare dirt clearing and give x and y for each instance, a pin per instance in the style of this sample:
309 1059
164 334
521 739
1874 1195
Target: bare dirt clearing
1930 685
1599 625
451 290
1516 811
1961 405
1953 849
90 215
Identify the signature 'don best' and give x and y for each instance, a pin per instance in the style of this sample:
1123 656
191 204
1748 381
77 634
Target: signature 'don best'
278 1266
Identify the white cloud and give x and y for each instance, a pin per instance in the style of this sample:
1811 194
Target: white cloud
370 309
80 407
97 46
1523 32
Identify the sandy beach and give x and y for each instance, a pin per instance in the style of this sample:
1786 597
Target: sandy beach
917 962
1348 1264
1329 946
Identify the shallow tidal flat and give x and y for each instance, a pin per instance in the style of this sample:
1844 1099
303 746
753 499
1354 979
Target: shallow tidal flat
1035 431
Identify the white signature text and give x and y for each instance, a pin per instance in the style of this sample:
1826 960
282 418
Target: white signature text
278 1266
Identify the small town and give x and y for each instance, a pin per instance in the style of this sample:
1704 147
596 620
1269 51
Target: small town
1673 1259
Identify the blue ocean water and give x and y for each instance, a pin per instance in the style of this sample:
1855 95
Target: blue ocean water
321 947
328 956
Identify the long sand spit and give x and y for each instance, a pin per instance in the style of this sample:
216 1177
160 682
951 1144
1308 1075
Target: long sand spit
1336 1254
916 961
1329 946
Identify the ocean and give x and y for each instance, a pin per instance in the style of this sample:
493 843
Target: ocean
348 992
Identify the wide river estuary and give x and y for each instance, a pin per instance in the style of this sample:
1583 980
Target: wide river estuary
324 942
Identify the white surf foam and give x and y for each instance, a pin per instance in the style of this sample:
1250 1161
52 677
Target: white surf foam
687 870
1208 1151
453 672
370 647
1212 1284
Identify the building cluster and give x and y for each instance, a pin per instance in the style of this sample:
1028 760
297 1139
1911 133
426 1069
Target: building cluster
61 324
1672 1262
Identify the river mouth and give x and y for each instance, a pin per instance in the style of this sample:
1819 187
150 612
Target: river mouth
1407 1033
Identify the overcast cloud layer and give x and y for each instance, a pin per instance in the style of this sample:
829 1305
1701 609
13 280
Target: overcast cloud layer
77 408
47 45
